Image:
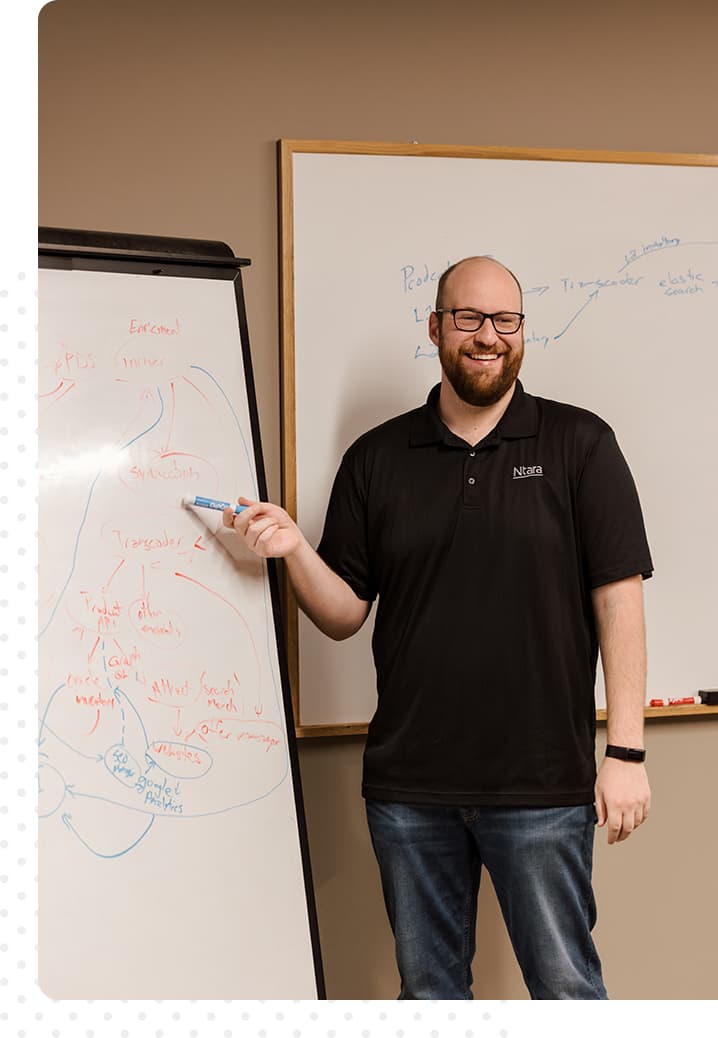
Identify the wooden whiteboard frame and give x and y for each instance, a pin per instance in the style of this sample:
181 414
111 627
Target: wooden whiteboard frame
286 150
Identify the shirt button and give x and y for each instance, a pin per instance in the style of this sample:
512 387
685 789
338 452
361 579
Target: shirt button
471 481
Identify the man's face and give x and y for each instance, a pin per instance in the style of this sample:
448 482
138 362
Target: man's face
481 366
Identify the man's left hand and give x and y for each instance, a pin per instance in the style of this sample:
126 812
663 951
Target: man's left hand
623 797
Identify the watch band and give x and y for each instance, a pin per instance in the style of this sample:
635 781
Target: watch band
626 753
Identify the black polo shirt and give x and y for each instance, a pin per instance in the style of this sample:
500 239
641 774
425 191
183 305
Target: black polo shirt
483 559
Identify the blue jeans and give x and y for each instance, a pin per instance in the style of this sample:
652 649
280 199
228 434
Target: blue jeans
539 860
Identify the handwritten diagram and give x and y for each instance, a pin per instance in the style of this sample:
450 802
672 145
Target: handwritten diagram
160 692
685 267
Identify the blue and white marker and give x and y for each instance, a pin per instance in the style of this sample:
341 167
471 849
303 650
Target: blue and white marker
211 502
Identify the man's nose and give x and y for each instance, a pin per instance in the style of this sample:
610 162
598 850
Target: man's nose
486 334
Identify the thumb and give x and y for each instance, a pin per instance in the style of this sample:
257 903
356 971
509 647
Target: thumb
601 810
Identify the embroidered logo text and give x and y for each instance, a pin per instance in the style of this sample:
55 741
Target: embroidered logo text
522 471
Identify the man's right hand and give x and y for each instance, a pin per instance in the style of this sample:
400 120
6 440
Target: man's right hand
265 528
328 601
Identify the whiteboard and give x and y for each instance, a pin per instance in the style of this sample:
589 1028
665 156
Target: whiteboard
618 258
171 863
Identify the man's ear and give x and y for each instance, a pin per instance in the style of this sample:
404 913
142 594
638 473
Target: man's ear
434 319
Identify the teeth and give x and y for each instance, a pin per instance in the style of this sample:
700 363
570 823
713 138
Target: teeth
483 356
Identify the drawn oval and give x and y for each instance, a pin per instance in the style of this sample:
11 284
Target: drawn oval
51 790
158 626
122 765
178 759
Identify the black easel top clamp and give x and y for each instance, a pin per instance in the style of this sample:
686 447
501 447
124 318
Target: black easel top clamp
156 254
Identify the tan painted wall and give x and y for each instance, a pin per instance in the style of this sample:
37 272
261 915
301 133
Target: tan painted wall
161 116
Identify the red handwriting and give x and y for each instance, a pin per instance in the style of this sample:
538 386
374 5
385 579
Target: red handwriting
71 362
221 698
125 659
140 361
95 701
147 543
177 752
106 615
88 680
166 689
151 328
150 472
207 730
154 623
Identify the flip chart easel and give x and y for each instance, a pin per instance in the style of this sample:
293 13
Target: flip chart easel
173 847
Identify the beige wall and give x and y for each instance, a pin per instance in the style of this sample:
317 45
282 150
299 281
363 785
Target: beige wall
161 116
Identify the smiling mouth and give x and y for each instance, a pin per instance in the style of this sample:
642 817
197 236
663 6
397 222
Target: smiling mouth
484 358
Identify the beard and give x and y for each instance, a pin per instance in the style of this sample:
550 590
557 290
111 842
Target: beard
475 386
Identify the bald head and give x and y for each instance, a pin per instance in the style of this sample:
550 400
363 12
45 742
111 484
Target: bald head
475 263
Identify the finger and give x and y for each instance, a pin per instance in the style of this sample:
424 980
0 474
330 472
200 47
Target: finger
627 828
615 825
252 514
265 538
256 528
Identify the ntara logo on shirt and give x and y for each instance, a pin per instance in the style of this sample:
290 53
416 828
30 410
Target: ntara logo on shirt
522 471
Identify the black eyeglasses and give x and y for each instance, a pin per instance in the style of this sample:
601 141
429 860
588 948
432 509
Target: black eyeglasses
504 322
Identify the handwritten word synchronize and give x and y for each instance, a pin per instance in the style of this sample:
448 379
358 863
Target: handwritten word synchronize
185 473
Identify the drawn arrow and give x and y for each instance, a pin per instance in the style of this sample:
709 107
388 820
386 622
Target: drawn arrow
67 821
539 288
118 692
64 386
106 586
593 295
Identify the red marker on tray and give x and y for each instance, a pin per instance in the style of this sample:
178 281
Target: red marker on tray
683 701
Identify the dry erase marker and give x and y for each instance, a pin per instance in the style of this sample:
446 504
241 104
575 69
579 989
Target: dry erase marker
684 701
211 502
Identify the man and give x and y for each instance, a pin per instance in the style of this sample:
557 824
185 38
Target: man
503 537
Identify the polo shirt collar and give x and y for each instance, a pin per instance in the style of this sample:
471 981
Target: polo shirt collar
520 419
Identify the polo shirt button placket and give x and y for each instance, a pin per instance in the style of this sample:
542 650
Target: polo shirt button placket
471 488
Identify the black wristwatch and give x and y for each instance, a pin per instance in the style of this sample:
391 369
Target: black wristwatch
626 753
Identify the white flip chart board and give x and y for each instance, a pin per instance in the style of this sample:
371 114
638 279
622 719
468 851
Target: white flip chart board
618 257
173 858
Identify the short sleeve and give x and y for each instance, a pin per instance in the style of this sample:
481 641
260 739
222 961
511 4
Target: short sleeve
344 543
613 536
